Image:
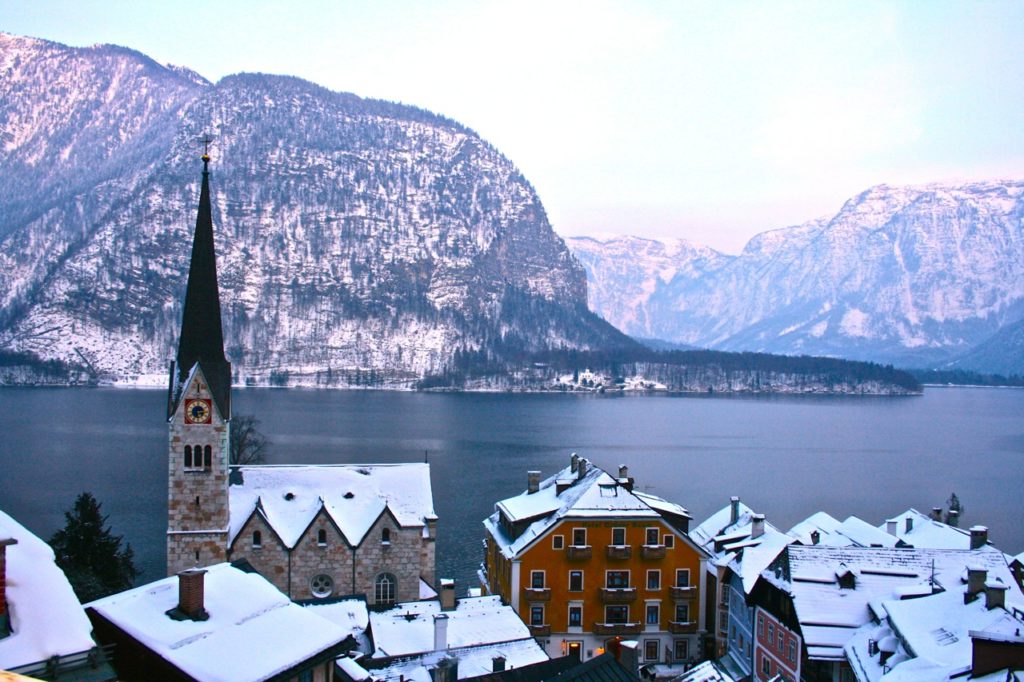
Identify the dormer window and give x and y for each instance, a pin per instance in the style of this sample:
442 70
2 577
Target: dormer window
321 537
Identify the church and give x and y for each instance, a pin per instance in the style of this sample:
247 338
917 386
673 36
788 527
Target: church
313 531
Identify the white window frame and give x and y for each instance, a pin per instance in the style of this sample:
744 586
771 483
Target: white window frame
623 530
686 572
557 541
653 572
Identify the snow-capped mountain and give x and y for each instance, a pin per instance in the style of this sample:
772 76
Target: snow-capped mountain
916 276
353 235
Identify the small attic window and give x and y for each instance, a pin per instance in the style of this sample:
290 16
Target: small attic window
289 496
321 537
385 536
609 490
349 495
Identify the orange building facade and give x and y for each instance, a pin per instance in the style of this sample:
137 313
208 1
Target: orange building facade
587 563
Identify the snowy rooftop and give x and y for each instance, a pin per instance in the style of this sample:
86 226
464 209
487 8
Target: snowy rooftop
744 555
705 672
355 496
716 524
864 534
829 614
473 661
594 495
826 527
926 532
247 616
350 615
46 617
408 628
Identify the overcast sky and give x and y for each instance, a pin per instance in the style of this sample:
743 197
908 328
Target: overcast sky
709 121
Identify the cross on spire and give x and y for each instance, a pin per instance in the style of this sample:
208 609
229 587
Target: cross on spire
206 140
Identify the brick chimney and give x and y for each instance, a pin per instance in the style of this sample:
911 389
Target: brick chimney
440 632
191 594
447 594
5 623
979 537
756 526
532 482
734 509
936 514
995 594
975 582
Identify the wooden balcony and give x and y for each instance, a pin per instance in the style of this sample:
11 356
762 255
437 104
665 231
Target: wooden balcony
652 551
607 629
676 628
579 552
618 595
689 592
537 593
619 552
540 630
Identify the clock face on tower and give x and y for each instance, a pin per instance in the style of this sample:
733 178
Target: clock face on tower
197 411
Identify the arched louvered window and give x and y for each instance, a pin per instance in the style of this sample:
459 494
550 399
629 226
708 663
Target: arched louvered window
188 456
207 457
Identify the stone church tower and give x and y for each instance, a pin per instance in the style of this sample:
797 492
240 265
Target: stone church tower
199 413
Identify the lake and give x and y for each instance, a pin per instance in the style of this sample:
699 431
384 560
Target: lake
785 456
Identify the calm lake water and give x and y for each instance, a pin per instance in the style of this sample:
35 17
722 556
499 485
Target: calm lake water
785 456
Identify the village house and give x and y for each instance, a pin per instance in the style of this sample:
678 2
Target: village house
44 632
588 562
216 623
314 531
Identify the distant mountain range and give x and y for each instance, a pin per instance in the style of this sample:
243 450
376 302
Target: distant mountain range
927 276
359 241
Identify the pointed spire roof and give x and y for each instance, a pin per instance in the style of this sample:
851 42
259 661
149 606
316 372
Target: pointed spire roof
202 338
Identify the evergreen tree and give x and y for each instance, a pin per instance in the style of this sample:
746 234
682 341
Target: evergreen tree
90 555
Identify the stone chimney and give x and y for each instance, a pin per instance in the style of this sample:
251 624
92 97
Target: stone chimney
734 509
447 594
936 514
756 526
624 479
890 526
532 482
581 468
975 582
909 525
447 670
5 623
574 462
440 632
498 664
995 594
191 594
979 537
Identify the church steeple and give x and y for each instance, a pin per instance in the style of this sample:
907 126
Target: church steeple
202 338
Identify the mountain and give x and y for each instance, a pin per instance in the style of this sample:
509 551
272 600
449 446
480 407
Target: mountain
916 276
358 241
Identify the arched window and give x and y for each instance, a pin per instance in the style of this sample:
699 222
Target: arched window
207 456
321 537
384 589
257 539
385 536
188 456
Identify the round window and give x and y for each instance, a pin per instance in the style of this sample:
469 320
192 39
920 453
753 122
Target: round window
321 585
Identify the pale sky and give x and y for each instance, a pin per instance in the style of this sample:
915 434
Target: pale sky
710 121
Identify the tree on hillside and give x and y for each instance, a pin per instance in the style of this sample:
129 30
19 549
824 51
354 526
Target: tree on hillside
248 444
90 555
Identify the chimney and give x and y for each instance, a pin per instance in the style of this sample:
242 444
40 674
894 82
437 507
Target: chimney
734 509
975 582
979 537
936 514
447 594
191 594
624 480
953 518
532 482
440 632
890 526
498 664
815 537
756 526
629 657
909 525
447 670
574 462
995 595
5 622
581 468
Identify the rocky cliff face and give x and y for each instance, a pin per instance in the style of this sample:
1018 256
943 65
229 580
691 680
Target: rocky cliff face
912 275
355 238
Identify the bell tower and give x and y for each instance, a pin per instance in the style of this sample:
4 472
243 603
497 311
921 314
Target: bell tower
199 411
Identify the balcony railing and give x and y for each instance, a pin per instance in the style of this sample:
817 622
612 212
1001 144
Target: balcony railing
538 593
619 552
688 592
680 628
618 628
652 551
579 552
618 595
540 630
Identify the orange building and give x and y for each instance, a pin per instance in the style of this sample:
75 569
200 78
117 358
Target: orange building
587 562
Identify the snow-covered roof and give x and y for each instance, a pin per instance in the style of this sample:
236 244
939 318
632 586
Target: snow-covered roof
473 661
715 524
46 617
243 637
826 527
353 495
705 672
829 614
408 628
927 532
565 496
931 637
744 555
864 534
350 614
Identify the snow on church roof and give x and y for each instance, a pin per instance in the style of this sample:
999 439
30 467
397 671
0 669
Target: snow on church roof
45 615
354 496
243 637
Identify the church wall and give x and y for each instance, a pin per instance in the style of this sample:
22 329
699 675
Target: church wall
270 560
400 557
310 559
